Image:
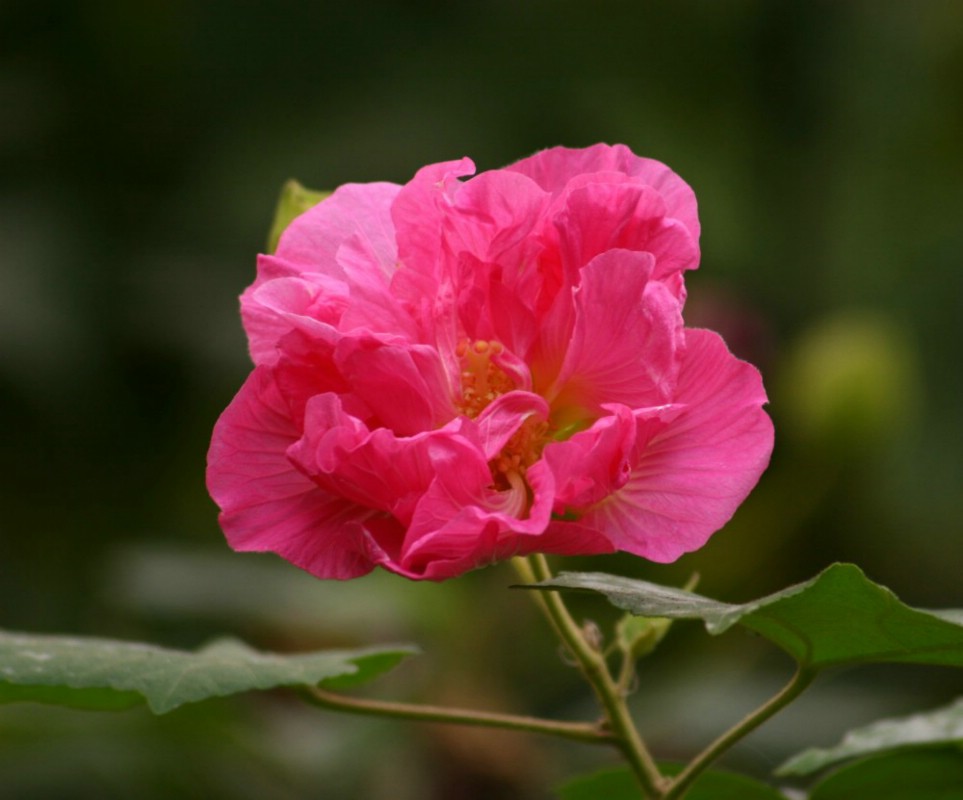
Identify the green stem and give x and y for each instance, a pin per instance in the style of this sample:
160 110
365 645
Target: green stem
681 783
591 662
627 674
586 732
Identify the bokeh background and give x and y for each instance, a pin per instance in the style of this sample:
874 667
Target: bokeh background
142 147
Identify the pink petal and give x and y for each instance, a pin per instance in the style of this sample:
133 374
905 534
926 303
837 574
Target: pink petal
463 521
273 309
307 367
312 240
493 217
572 538
552 342
603 216
418 214
423 284
375 468
552 169
468 543
491 309
371 304
404 385
499 421
461 525
317 272
267 505
593 463
597 462
626 341
475 540
690 477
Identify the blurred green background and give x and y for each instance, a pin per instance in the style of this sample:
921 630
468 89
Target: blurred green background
142 146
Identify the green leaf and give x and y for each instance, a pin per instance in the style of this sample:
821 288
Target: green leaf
838 617
293 202
619 784
637 637
902 775
942 726
104 674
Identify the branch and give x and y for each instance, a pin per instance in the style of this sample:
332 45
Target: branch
593 666
800 681
587 732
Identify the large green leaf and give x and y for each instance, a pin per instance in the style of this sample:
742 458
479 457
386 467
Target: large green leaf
619 784
942 726
106 674
838 617
293 202
903 775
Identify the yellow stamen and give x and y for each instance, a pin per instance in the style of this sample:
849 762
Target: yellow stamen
522 450
482 381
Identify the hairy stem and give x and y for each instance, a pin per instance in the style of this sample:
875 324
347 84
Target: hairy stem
586 732
591 663
681 783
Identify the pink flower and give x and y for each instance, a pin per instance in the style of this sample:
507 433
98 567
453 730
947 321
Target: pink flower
449 373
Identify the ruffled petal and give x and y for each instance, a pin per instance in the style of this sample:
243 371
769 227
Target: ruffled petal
505 415
595 463
626 341
337 256
491 309
424 284
312 240
378 469
604 216
691 475
371 304
274 309
463 524
267 504
572 538
553 169
418 214
404 385
493 217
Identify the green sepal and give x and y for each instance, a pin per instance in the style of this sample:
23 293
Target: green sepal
636 636
294 200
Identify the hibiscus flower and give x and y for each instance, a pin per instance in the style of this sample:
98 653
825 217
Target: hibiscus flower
456 371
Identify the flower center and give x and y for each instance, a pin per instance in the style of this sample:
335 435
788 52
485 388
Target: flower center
519 453
482 381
